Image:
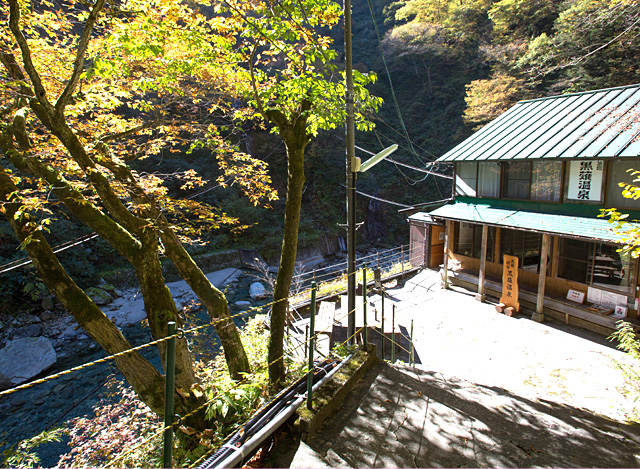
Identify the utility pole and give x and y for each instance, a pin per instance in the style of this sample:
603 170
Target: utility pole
351 178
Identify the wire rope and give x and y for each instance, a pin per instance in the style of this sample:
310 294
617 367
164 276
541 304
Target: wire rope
393 93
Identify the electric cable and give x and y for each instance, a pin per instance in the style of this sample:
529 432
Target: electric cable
393 93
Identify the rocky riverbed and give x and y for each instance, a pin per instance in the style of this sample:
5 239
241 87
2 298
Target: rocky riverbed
27 412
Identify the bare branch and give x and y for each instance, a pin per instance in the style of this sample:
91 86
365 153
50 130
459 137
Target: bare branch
580 59
14 25
127 133
78 63
254 86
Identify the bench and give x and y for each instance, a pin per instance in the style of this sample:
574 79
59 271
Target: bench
325 318
557 308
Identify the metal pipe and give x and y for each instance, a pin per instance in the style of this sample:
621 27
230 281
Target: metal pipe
351 177
306 339
169 393
312 345
393 335
411 359
364 302
240 452
384 339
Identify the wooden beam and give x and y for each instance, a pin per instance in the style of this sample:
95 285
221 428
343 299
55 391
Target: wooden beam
483 263
542 276
555 255
448 230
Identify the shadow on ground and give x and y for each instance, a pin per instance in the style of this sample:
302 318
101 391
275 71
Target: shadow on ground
404 417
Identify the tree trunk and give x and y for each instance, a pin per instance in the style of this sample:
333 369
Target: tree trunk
160 307
145 379
295 182
142 375
215 302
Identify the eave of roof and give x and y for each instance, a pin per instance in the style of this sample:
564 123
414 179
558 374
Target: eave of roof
563 225
594 124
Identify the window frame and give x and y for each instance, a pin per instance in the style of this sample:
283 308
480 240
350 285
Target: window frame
500 170
590 263
612 185
457 175
560 189
532 169
521 259
505 179
477 231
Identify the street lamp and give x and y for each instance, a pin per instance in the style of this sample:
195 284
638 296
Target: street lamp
374 160
354 167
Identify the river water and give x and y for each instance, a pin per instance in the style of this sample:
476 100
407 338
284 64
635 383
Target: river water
52 404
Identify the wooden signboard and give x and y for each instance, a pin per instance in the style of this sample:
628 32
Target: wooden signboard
510 282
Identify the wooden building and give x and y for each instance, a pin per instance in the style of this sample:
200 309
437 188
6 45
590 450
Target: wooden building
531 184
426 241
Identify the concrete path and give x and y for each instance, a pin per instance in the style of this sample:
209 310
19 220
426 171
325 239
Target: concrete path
488 391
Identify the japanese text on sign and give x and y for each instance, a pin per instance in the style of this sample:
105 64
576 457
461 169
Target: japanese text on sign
585 180
510 282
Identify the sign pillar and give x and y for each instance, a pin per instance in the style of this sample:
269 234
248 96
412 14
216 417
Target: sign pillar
510 282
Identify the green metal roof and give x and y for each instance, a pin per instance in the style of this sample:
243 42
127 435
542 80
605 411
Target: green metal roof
594 124
565 225
422 217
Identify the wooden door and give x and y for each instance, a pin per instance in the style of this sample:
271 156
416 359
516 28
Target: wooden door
436 249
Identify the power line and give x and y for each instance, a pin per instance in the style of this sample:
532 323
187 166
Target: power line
380 199
446 176
381 119
61 247
393 93
411 182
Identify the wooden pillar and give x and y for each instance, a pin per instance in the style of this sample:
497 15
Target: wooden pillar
448 230
483 263
426 247
539 315
555 255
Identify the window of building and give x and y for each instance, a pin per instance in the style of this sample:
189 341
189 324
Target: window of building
618 172
468 240
546 181
527 180
489 179
598 265
466 178
524 245
517 180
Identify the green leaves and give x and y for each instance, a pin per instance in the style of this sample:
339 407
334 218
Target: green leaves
629 231
290 61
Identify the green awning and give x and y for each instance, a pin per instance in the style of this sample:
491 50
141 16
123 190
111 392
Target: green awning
423 217
562 225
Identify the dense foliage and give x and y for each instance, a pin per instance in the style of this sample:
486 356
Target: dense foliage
454 66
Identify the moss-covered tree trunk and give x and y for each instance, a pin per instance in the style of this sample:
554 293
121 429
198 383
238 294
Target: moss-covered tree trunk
160 307
293 133
212 299
147 382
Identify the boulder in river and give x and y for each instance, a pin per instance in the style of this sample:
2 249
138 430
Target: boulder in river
22 359
99 296
32 330
257 291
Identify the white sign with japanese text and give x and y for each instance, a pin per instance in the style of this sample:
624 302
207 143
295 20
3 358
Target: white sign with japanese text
585 180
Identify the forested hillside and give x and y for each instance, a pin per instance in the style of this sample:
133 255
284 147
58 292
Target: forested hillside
453 65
